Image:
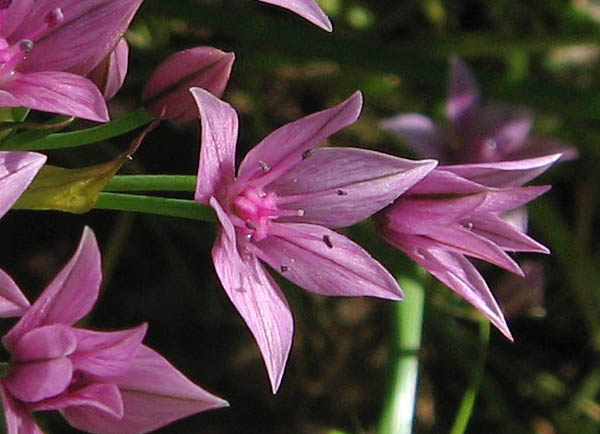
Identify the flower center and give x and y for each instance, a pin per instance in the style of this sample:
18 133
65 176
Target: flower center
256 209
12 55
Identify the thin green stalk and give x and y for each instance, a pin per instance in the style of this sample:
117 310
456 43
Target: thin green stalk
155 205
151 183
398 413
129 122
465 410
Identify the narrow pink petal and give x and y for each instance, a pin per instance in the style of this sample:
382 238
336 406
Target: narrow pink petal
463 92
503 173
89 31
17 170
218 142
167 92
104 398
339 187
59 92
308 9
505 235
69 296
12 301
257 298
16 418
421 134
505 199
444 182
48 342
107 354
154 394
34 381
110 74
456 272
284 147
320 260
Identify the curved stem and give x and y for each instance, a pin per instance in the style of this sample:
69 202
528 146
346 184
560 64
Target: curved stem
398 413
155 205
152 183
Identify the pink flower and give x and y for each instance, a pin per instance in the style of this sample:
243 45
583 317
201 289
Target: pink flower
167 92
279 208
308 9
456 211
48 47
477 134
102 382
17 170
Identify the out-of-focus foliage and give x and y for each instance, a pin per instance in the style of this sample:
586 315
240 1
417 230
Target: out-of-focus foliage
540 53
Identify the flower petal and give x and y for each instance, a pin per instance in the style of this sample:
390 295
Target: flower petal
424 136
322 261
16 418
339 187
308 9
107 354
154 394
217 150
463 93
14 17
505 235
110 74
539 145
69 296
284 147
89 31
48 342
34 381
257 298
167 92
12 301
59 92
104 398
17 170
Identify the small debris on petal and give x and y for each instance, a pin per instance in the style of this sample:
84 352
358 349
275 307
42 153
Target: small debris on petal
284 268
307 153
327 241
264 166
342 193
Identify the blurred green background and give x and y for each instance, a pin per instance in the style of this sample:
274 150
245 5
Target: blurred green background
539 53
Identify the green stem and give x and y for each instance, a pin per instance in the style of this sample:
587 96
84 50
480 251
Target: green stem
155 205
151 183
398 413
465 410
129 122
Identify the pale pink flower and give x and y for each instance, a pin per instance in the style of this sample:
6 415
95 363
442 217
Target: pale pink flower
279 210
101 382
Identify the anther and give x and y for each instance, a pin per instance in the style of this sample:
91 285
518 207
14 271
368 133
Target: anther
327 241
250 225
264 166
491 144
54 17
300 213
26 45
342 193
307 153
284 268
468 225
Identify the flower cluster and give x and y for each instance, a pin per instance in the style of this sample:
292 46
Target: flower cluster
281 211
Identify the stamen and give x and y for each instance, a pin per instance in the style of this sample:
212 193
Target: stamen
26 45
307 153
342 193
284 268
54 17
327 241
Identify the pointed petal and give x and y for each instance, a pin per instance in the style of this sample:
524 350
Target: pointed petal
217 149
17 170
107 354
503 173
34 381
283 148
69 296
425 137
89 31
323 261
104 398
49 342
257 298
110 74
505 235
505 199
154 394
463 92
12 301
167 92
456 272
339 187
16 417
308 9
59 92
